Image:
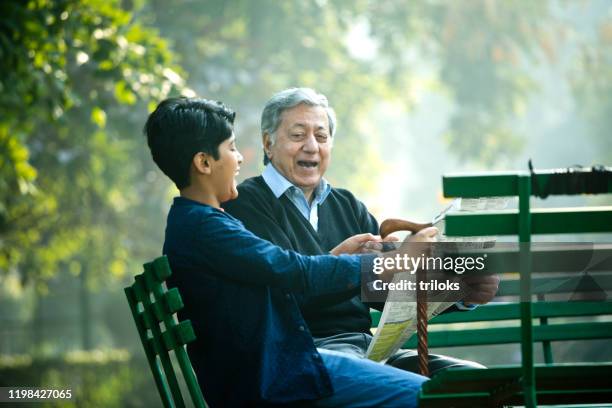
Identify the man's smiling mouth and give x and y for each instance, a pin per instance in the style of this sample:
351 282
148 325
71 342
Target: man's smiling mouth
307 163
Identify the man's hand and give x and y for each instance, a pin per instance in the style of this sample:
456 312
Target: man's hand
413 246
425 235
482 288
355 244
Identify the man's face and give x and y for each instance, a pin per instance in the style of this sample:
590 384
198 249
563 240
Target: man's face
302 147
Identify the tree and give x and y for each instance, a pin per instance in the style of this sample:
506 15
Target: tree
79 78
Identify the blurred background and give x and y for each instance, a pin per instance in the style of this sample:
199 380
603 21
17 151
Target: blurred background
421 88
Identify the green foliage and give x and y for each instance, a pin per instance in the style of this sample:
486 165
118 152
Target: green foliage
79 78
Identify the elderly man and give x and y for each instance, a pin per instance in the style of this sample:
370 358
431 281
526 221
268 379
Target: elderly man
293 206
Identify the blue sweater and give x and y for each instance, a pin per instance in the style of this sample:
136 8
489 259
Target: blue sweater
252 345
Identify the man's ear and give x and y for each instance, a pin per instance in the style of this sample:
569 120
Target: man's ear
267 145
202 163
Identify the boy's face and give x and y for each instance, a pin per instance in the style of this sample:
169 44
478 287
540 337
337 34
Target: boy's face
225 170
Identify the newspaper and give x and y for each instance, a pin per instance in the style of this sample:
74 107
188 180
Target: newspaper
464 205
398 321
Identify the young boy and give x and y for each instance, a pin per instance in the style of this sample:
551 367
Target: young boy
241 292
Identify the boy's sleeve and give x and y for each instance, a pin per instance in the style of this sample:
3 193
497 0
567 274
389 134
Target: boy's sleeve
230 251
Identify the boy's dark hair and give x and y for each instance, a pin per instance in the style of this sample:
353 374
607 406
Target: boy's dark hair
179 128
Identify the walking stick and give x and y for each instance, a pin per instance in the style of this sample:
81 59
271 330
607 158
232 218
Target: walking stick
387 227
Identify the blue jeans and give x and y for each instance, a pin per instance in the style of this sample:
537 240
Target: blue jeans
359 382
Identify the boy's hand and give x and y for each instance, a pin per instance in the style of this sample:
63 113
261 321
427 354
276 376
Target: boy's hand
355 244
376 247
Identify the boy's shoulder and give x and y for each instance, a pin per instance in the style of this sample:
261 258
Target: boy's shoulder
190 222
195 212
198 214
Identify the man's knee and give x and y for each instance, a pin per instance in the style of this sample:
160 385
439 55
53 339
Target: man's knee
408 360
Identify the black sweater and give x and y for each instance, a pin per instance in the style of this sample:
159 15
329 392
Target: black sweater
341 216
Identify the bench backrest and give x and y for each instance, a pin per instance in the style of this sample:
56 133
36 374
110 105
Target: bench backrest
154 310
542 221
524 223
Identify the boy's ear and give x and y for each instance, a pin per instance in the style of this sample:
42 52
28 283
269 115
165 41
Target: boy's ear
202 163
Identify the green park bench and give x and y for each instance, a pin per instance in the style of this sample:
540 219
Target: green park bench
163 337
527 384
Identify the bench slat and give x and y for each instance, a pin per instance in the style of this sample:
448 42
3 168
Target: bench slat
593 376
498 184
553 285
511 311
543 221
506 335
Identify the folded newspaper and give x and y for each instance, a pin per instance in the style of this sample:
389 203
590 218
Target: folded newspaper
399 318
